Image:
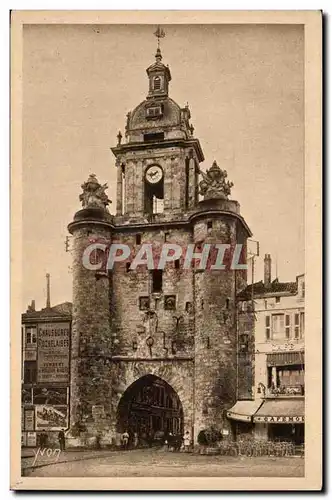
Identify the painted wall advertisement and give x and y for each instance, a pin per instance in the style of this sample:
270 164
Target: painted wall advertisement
51 418
53 352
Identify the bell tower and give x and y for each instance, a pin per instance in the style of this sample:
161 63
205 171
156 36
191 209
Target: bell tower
157 165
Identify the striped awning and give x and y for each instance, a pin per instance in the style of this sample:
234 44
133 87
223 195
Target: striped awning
244 410
285 358
280 411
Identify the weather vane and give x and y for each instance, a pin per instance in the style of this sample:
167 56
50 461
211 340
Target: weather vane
159 33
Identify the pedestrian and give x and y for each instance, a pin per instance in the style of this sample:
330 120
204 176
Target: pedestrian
125 439
44 439
186 441
62 440
135 439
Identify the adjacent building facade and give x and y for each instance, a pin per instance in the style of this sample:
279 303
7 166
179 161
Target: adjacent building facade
276 411
45 371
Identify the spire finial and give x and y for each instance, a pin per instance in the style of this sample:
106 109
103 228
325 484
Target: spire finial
159 33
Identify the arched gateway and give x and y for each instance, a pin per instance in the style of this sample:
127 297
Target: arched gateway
150 407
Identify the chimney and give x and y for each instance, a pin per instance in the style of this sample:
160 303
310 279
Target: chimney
48 294
32 306
267 269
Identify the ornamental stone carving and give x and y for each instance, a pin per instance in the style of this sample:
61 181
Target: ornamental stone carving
214 184
94 195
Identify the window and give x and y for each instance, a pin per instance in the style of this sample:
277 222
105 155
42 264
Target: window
277 300
296 326
157 280
166 235
188 307
209 224
287 326
31 335
157 136
267 327
177 264
123 189
144 303
278 325
30 372
154 112
157 83
170 302
302 325
138 239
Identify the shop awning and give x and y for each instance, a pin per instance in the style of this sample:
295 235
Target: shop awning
281 411
244 410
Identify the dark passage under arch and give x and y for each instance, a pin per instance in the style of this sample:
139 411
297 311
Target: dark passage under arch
152 408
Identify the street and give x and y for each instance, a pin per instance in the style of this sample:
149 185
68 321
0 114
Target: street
149 463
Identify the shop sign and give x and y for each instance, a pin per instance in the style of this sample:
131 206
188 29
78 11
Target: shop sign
29 420
51 418
53 352
283 347
280 420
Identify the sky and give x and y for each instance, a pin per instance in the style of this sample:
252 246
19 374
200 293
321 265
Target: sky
245 89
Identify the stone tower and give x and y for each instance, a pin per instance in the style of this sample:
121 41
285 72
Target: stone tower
155 350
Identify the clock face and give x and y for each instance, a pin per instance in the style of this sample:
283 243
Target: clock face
154 174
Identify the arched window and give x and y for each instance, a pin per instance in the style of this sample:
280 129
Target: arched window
157 83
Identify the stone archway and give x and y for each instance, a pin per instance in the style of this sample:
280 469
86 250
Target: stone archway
151 408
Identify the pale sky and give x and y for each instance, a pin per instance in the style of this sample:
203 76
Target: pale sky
244 85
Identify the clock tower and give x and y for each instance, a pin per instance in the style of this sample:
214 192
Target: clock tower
157 165
155 350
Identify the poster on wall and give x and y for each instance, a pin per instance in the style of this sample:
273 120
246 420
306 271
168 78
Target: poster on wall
51 418
50 395
29 420
53 352
31 439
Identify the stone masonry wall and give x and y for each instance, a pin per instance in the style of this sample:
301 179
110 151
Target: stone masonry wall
215 337
90 331
171 330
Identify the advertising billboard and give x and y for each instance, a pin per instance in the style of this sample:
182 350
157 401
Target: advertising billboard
51 418
53 352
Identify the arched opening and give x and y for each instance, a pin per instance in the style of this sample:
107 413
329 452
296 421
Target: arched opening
157 83
151 408
154 189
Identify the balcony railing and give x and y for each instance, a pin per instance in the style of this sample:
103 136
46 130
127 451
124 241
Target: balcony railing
291 390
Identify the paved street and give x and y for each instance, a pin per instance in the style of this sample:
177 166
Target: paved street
158 463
